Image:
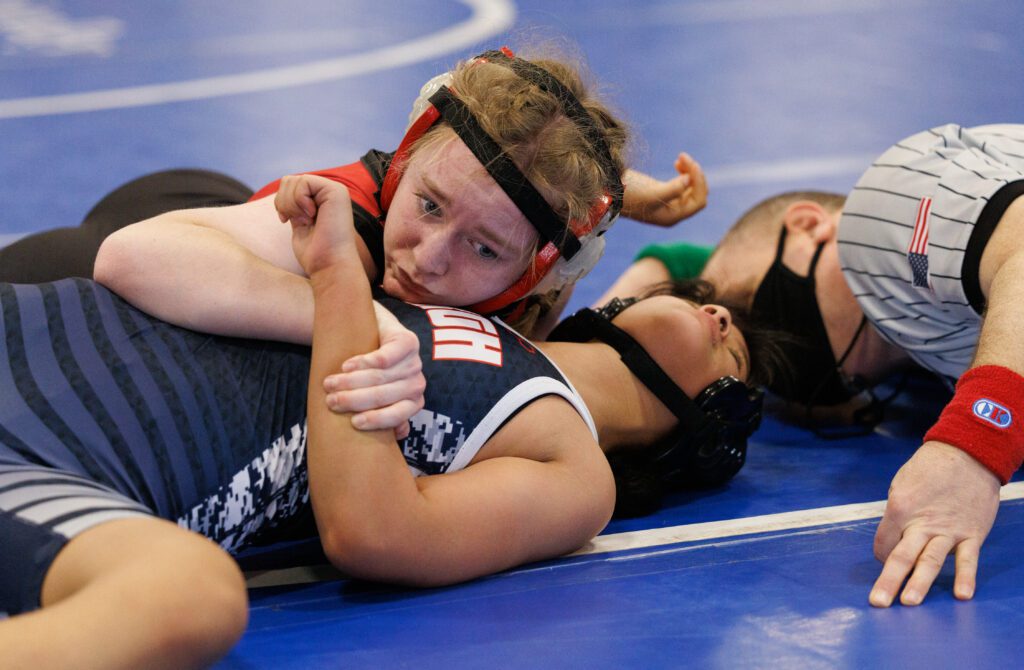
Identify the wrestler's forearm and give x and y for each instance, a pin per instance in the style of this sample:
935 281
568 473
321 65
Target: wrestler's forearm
357 479
200 278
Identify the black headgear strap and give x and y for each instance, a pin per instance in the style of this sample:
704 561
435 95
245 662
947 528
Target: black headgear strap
573 109
709 445
599 324
501 168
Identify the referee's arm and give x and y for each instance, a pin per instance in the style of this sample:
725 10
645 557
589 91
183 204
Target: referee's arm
945 498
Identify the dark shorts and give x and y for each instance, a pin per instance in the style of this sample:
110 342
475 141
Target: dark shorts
41 510
71 252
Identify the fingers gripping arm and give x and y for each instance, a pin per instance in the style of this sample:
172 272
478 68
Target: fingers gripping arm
383 388
224 270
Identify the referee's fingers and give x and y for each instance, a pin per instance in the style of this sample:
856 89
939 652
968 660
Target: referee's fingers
967 553
897 566
926 569
887 536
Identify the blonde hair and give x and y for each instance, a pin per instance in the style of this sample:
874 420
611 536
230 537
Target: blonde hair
530 126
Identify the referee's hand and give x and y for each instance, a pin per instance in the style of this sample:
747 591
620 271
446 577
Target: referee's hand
940 501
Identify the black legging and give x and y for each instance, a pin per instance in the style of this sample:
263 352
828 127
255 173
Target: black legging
71 252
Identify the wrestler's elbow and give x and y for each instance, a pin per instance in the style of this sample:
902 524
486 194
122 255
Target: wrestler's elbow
115 263
367 553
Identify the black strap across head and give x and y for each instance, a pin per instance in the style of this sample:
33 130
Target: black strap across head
641 364
572 108
589 324
709 445
501 168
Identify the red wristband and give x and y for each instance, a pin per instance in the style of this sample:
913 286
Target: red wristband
985 419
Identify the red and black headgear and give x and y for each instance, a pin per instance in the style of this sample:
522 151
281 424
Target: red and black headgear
568 249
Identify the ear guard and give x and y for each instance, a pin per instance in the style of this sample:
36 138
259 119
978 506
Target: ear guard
713 452
709 446
568 250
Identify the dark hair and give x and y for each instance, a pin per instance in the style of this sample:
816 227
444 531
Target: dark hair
639 488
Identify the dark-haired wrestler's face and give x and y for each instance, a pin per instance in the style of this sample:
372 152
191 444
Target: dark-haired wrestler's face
694 344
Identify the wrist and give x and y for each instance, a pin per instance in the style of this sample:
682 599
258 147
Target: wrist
340 265
985 419
967 467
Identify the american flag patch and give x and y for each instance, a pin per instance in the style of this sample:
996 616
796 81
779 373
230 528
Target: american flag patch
917 252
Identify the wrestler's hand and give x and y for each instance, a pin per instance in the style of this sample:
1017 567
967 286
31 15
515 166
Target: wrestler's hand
666 203
383 388
320 213
941 500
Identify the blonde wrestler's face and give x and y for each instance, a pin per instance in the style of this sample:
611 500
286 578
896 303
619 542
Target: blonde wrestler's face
452 236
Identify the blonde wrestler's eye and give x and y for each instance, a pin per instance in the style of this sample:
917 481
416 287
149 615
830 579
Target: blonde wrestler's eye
484 251
429 207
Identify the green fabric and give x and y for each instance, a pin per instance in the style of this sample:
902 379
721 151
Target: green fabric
683 260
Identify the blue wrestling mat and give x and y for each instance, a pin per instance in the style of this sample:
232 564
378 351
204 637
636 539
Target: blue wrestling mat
772 570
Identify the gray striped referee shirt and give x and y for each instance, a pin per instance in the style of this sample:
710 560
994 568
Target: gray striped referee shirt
912 232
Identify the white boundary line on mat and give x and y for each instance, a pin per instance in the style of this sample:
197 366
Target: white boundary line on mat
489 17
656 537
711 530
767 523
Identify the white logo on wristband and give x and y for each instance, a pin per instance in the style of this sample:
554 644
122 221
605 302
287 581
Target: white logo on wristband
993 412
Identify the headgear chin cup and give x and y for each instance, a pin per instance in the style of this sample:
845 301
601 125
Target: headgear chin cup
709 446
568 250
712 453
